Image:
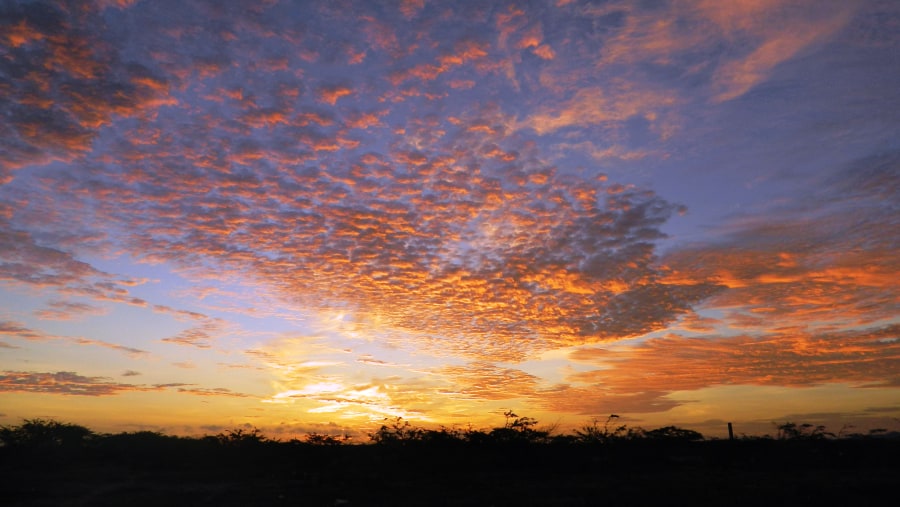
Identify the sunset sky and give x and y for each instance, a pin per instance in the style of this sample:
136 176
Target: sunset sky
312 216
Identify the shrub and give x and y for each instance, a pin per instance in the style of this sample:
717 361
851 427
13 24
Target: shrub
793 431
398 431
673 433
518 429
320 439
596 434
45 433
242 438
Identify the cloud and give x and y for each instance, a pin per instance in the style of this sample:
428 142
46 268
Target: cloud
641 378
202 334
411 8
485 381
790 358
72 384
373 400
416 199
195 337
613 153
369 360
213 391
25 262
183 315
544 51
826 261
331 93
474 235
63 382
67 84
595 106
699 53
596 400
799 27
17 330
463 51
121 4
121 348
65 310
535 253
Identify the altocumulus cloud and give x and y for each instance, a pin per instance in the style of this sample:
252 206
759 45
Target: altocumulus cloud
457 235
71 383
424 182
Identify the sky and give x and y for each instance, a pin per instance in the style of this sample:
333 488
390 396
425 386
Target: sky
313 216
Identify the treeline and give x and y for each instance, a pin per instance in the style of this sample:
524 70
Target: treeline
526 430
49 433
519 463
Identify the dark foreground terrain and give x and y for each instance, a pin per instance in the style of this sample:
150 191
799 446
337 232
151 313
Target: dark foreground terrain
165 471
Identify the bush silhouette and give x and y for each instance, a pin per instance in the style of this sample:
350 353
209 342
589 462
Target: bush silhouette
673 433
596 434
793 431
45 433
397 431
519 430
320 439
242 438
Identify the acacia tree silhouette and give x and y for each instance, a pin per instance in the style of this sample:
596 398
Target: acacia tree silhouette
518 429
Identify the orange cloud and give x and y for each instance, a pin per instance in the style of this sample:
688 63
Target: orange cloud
544 51
364 120
485 381
21 33
72 384
410 8
63 382
675 363
381 35
330 94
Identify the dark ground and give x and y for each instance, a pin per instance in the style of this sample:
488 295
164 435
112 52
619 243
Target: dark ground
167 471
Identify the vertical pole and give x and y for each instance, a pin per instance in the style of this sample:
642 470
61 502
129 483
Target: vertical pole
730 432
